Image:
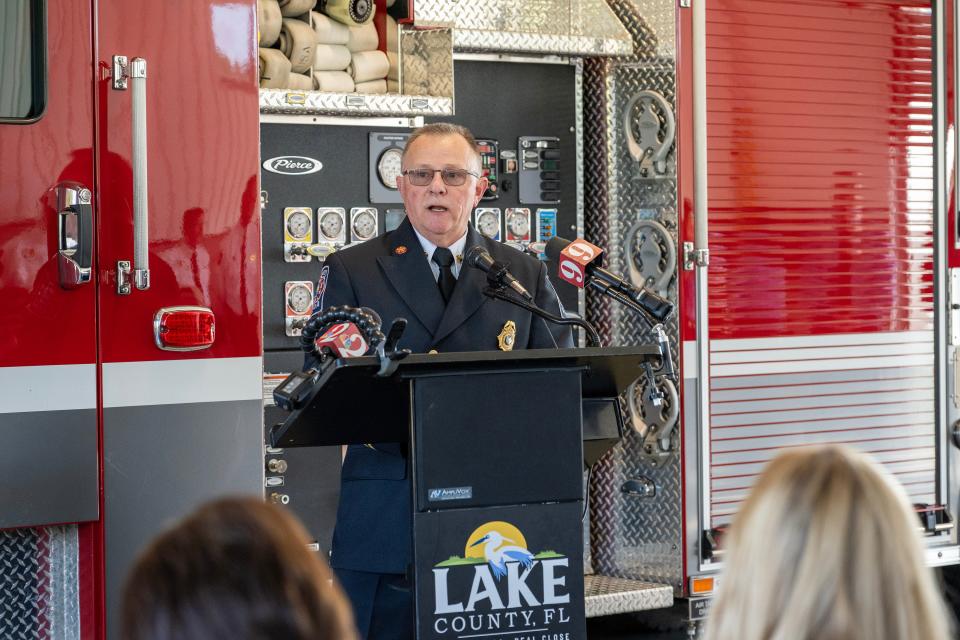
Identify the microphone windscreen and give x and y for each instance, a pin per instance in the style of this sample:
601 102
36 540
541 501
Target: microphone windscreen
555 245
475 257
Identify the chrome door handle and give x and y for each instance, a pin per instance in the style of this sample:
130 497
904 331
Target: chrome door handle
75 235
136 72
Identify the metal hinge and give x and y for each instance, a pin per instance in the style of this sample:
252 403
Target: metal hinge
693 258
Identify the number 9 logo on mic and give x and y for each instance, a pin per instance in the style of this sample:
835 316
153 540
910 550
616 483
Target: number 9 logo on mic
344 339
574 259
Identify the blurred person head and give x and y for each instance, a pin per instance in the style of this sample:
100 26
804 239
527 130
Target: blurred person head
235 569
826 547
441 182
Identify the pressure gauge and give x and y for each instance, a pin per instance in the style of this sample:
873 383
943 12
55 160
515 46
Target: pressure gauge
331 224
488 222
299 298
299 225
297 233
299 304
363 225
518 224
388 167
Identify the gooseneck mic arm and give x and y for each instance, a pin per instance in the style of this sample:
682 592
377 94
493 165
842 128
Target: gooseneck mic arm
500 293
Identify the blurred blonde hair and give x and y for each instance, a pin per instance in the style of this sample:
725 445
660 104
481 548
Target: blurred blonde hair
826 547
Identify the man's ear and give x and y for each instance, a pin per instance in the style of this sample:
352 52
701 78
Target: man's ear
481 189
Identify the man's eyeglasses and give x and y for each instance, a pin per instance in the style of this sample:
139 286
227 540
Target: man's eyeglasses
450 177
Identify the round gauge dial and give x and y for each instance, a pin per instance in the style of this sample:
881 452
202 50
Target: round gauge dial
298 225
519 224
388 167
299 298
331 225
364 225
488 224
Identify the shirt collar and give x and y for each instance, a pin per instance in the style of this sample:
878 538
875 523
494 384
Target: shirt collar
456 248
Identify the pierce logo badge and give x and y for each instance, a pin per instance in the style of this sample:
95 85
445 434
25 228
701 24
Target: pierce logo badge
292 165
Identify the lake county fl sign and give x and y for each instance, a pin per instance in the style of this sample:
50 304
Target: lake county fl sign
506 572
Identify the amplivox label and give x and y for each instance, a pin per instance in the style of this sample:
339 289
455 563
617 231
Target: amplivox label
292 165
450 493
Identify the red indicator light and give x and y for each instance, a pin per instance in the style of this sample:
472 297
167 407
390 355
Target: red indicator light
184 328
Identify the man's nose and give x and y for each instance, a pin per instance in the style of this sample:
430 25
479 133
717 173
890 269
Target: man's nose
437 184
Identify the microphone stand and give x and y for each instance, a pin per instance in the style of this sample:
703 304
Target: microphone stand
663 341
500 293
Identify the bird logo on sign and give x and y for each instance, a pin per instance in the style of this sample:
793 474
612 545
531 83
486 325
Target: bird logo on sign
502 543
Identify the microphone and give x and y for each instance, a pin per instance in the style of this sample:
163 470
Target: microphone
344 340
578 263
480 258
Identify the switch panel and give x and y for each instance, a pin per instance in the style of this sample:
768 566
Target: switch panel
546 229
489 167
539 169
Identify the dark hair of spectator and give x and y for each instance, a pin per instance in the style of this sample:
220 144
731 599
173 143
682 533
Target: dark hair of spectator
236 569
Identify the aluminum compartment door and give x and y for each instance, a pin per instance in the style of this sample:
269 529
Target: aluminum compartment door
821 311
48 350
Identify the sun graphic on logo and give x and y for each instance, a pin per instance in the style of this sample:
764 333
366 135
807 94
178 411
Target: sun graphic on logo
510 534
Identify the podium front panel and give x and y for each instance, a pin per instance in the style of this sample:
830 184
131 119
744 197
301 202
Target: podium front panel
497 438
500 572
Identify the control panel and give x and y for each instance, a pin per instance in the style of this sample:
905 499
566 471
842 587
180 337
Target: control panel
489 154
539 169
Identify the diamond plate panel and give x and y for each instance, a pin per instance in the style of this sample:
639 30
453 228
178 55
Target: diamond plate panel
575 27
606 596
632 536
39 584
352 104
426 62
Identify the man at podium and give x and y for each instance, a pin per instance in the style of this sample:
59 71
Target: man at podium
417 272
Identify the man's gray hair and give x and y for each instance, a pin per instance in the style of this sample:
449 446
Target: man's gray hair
444 129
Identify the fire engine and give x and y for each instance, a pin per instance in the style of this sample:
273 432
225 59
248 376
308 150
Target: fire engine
173 176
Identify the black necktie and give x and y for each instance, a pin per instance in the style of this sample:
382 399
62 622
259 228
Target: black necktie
444 258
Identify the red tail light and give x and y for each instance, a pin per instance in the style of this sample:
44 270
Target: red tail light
184 328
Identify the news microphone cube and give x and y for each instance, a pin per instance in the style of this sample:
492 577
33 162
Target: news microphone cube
344 340
573 261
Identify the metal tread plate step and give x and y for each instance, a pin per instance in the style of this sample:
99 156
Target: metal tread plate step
606 595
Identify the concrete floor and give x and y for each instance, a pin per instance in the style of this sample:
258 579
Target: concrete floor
626 627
